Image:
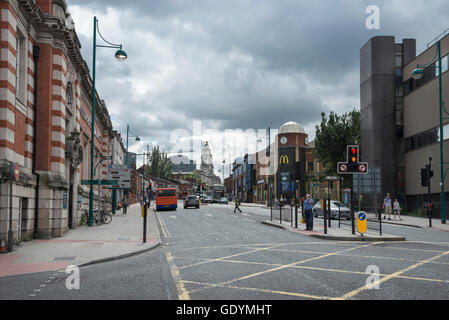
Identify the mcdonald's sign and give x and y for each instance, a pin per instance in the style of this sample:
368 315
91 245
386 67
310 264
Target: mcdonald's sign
283 159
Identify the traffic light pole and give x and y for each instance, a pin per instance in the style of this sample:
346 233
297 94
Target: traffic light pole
430 208
352 204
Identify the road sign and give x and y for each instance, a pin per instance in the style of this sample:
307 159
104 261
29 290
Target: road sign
121 173
102 182
369 182
342 167
361 222
363 167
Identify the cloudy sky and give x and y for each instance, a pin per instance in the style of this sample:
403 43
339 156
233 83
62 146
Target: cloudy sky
236 64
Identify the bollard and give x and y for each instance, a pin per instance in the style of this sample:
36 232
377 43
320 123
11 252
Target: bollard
380 223
271 211
430 214
296 216
329 216
291 215
280 213
302 208
325 217
145 211
339 215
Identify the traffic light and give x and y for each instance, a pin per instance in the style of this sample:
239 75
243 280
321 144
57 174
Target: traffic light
149 185
352 164
424 179
353 154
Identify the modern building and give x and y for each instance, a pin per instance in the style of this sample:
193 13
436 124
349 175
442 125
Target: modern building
42 70
400 117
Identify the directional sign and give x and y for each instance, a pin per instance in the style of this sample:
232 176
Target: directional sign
361 222
102 182
121 173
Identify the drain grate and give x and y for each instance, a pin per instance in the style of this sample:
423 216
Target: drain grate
63 258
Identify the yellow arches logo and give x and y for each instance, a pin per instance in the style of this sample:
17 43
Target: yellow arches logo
283 159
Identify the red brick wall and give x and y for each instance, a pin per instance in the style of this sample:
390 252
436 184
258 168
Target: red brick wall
44 5
44 104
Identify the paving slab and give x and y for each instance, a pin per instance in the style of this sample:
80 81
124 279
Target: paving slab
85 245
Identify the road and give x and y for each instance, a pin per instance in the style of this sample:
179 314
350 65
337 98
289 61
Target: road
212 253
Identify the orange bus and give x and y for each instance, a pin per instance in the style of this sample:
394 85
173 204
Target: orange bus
166 198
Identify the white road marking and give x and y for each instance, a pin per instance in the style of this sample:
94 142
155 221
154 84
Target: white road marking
209 215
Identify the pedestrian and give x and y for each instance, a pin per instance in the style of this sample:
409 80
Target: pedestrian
125 204
397 209
308 205
237 204
386 205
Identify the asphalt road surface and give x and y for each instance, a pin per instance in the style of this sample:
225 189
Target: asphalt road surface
213 253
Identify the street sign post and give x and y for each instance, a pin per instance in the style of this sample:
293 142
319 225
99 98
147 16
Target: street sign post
121 173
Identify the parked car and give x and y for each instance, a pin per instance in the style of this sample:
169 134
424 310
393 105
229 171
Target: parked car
208 200
345 212
223 200
191 201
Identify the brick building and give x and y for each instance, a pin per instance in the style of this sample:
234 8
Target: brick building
45 120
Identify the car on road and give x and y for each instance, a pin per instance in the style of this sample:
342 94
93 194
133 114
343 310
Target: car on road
345 212
208 200
223 200
191 201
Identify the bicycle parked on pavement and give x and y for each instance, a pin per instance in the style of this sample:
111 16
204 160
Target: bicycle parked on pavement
99 218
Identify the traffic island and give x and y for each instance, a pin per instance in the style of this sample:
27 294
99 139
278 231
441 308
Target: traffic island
334 233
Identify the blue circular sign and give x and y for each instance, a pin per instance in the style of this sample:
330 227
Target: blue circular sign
362 216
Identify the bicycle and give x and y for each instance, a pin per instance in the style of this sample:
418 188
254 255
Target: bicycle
102 217
99 218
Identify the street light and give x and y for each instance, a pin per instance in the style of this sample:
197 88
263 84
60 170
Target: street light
418 74
129 135
120 55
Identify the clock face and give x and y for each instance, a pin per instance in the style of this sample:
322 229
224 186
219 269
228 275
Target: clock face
284 140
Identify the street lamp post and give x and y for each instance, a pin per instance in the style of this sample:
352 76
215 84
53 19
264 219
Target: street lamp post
417 74
119 55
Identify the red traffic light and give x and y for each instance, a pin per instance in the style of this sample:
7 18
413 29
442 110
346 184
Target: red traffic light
353 154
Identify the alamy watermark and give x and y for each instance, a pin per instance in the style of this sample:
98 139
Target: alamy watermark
73 280
372 282
373 19
228 145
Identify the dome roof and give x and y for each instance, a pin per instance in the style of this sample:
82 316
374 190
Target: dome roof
291 127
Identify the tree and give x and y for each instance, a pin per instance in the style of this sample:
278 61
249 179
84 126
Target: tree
332 137
194 177
160 164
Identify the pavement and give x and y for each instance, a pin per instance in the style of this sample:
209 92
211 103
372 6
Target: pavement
409 221
343 233
85 245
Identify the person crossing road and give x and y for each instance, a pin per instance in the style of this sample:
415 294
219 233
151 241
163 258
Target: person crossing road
237 204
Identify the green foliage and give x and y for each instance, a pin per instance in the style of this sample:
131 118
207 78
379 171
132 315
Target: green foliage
194 177
160 164
333 135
